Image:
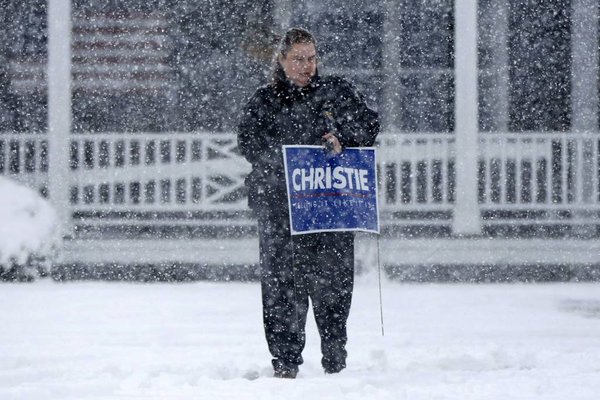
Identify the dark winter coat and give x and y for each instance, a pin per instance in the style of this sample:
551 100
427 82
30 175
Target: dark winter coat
284 114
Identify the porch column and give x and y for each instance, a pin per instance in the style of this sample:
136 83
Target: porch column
584 101
59 108
391 65
466 209
584 70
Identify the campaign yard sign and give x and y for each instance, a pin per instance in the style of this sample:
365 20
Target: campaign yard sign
329 192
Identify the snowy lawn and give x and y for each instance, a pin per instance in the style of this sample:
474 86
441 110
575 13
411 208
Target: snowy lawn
99 340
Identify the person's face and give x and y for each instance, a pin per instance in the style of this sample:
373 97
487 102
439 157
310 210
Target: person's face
300 63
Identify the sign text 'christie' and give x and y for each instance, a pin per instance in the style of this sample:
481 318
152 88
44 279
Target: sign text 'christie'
328 178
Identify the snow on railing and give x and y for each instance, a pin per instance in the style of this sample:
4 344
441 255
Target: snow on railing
186 178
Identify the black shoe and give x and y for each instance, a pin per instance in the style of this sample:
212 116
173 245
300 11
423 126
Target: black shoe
286 374
334 357
334 370
333 367
282 369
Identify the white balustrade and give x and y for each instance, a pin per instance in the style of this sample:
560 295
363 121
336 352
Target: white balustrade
178 178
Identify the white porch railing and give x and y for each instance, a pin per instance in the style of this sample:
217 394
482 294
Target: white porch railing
24 158
539 170
198 178
189 177
417 178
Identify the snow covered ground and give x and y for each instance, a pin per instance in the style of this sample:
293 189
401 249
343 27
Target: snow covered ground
203 340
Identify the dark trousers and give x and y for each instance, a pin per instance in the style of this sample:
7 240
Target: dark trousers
320 267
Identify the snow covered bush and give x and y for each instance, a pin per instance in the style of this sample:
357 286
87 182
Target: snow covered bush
29 234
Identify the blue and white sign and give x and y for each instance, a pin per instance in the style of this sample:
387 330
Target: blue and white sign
331 192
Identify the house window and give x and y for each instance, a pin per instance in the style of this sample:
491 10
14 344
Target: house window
426 60
539 65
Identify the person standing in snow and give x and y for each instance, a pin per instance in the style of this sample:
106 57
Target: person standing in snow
300 107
